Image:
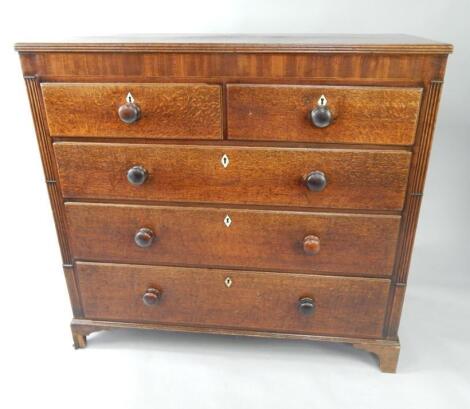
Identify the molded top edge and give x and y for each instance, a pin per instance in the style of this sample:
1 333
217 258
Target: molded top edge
253 43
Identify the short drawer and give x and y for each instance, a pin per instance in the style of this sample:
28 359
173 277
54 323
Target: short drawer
234 299
167 111
359 115
288 241
317 178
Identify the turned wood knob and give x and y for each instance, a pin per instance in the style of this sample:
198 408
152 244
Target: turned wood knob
315 181
129 112
144 237
137 175
321 116
311 245
151 296
306 305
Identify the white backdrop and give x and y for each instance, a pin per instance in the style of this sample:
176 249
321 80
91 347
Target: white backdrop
130 369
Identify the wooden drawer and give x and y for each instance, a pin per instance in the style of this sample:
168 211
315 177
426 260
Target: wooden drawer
349 244
167 111
362 115
254 300
355 179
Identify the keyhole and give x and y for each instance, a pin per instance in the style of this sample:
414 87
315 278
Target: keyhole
224 161
322 101
130 98
228 282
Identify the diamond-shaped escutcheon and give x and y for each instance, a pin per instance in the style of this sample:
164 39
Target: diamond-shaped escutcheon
224 161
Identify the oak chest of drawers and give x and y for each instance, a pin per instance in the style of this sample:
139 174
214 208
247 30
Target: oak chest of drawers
237 185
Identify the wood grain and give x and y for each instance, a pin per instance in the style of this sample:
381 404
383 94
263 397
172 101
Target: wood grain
50 171
374 115
394 310
417 178
356 179
387 351
413 203
387 354
344 69
73 290
350 244
84 327
79 340
49 165
254 43
256 300
366 155
172 111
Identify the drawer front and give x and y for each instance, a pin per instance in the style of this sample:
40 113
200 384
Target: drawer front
167 111
354 179
250 300
288 241
361 115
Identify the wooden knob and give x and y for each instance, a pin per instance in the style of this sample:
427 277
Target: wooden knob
129 112
321 116
151 296
311 245
306 305
315 181
144 237
137 175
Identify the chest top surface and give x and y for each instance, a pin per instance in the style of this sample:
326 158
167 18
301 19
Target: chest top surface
380 43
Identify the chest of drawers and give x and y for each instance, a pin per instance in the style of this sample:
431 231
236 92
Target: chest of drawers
266 187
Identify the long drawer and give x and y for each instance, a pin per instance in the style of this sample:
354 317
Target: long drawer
166 111
234 299
360 115
288 241
352 179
